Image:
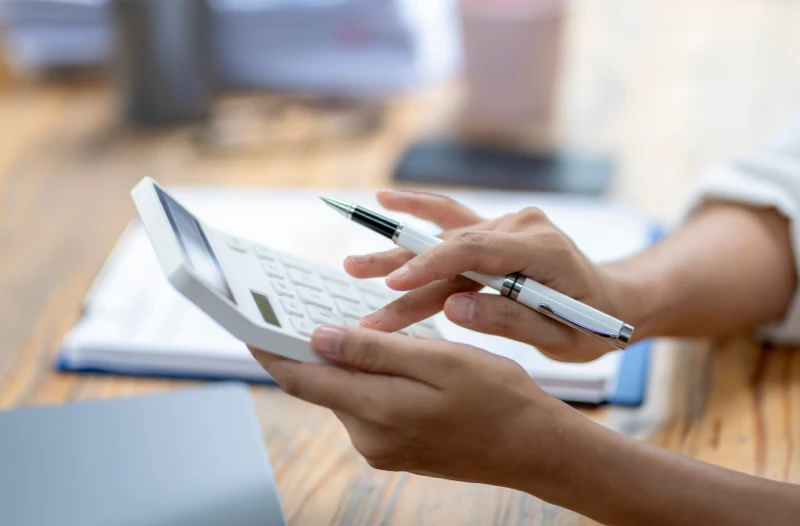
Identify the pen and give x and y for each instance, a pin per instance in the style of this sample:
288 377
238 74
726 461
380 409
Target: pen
516 287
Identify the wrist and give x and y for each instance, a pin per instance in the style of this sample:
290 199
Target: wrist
588 469
542 451
636 296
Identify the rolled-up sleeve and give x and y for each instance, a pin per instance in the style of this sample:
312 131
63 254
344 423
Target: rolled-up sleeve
767 177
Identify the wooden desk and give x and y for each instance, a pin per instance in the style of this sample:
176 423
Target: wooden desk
667 87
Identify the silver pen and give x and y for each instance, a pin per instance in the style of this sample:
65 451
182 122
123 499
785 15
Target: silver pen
516 287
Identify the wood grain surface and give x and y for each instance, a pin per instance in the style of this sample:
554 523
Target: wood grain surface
666 87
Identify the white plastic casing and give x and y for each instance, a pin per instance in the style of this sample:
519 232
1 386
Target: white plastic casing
242 272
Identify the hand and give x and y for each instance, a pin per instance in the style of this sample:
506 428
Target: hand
525 242
430 407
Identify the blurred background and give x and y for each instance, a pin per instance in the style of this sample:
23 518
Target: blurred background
620 100
627 100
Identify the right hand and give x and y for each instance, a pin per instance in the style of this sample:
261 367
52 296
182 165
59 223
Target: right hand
525 242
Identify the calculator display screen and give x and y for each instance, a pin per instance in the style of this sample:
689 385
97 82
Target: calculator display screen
194 244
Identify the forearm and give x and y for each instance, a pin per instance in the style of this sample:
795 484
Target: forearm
728 269
620 481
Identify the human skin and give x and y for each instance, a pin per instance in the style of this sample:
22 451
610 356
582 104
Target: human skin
442 409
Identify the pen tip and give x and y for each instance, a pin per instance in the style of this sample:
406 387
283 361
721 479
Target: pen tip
343 208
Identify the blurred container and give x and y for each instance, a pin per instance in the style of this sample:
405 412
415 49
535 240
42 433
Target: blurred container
512 50
162 61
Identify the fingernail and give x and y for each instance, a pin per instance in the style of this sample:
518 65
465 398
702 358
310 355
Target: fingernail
374 318
461 308
399 273
328 340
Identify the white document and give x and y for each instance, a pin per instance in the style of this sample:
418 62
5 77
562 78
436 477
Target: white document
136 322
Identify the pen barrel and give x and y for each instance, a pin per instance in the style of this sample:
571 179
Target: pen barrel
569 311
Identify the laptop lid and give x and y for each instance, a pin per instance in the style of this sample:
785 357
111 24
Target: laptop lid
189 457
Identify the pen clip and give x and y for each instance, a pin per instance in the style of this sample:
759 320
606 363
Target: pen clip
597 333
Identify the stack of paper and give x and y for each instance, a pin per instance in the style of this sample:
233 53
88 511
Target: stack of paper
337 46
136 323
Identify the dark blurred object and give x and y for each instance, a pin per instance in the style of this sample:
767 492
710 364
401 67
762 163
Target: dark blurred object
163 60
450 163
259 122
512 50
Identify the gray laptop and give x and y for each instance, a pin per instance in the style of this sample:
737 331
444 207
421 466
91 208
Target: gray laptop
190 457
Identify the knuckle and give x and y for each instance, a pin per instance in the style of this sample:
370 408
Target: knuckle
363 350
503 317
400 305
374 450
443 201
453 285
422 261
470 239
382 460
533 214
287 381
553 239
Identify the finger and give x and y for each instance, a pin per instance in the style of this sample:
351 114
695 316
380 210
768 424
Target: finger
376 265
342 390
382 263
385 353
488 252
417 304
494 314
440 209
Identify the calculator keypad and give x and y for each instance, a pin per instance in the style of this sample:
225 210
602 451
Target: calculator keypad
293 307
313 295
323 316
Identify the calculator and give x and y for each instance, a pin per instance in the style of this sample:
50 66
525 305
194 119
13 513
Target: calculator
269 299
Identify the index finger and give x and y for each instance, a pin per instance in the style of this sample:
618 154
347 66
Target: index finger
440 209
486 252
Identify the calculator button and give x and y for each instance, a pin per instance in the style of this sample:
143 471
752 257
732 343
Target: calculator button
293 307
334 275
314 297
237 243
283 288
424 332
374 301
323 316
354 310
291 261
303 326
272 268
352 322
346 292
308 279
263 252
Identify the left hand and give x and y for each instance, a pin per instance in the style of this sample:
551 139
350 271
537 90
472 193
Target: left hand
429 407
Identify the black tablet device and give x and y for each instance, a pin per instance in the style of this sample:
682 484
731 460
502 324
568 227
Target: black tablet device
451 163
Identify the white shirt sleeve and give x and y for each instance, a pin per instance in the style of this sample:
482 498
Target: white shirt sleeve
767 177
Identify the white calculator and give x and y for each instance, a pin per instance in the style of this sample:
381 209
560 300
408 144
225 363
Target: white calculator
270 300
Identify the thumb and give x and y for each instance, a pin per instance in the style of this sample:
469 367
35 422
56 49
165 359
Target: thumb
377 352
